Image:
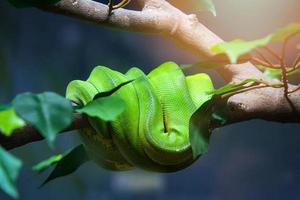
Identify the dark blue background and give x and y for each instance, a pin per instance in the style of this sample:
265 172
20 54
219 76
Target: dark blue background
43 52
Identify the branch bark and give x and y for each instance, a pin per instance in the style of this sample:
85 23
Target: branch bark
161 18
28 133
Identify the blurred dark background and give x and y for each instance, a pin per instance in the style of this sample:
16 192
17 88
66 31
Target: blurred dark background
250 160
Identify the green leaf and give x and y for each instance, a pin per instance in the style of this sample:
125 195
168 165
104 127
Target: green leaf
207 5
199 139
199 132
214 62
272 73
32 3
105 108
276 73
9 121
9 171
236 48
200 86
48 112
69 163
231 87
212 111
41 166
283 33
298 46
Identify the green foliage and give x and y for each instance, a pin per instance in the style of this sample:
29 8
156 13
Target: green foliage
207 5
232 87
69 163
41 166
272 73
236 48
298 46
9 171
276 73
212 111
48 112
283 33
9 121
198 130
32 3
105 108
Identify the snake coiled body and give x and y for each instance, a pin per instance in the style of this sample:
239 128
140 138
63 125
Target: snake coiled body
153 131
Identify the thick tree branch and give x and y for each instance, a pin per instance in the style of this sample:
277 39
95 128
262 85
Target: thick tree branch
264 103
161 18
157 17
29 134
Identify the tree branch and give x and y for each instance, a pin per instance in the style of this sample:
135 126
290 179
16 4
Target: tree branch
157 17
264 103
161 18
29 134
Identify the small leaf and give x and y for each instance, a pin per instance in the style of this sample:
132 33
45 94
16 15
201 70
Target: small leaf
214 62
283 33
9 171
276 73
69 163
9 121
48 112
41 166
199 132
236 48
272 73
212 111
200 86
32 3
293 73
199 139
231 87
105 108
207 5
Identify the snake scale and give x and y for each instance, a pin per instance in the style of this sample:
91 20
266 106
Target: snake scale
153 131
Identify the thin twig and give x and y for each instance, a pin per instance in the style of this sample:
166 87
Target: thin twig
122 4
296 62
283 67
284 71
254 85
273 53
294 90
284 46
264 58
261 62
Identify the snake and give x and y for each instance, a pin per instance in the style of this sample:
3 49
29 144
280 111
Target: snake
152 133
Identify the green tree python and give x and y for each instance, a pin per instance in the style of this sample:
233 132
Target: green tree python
153 131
